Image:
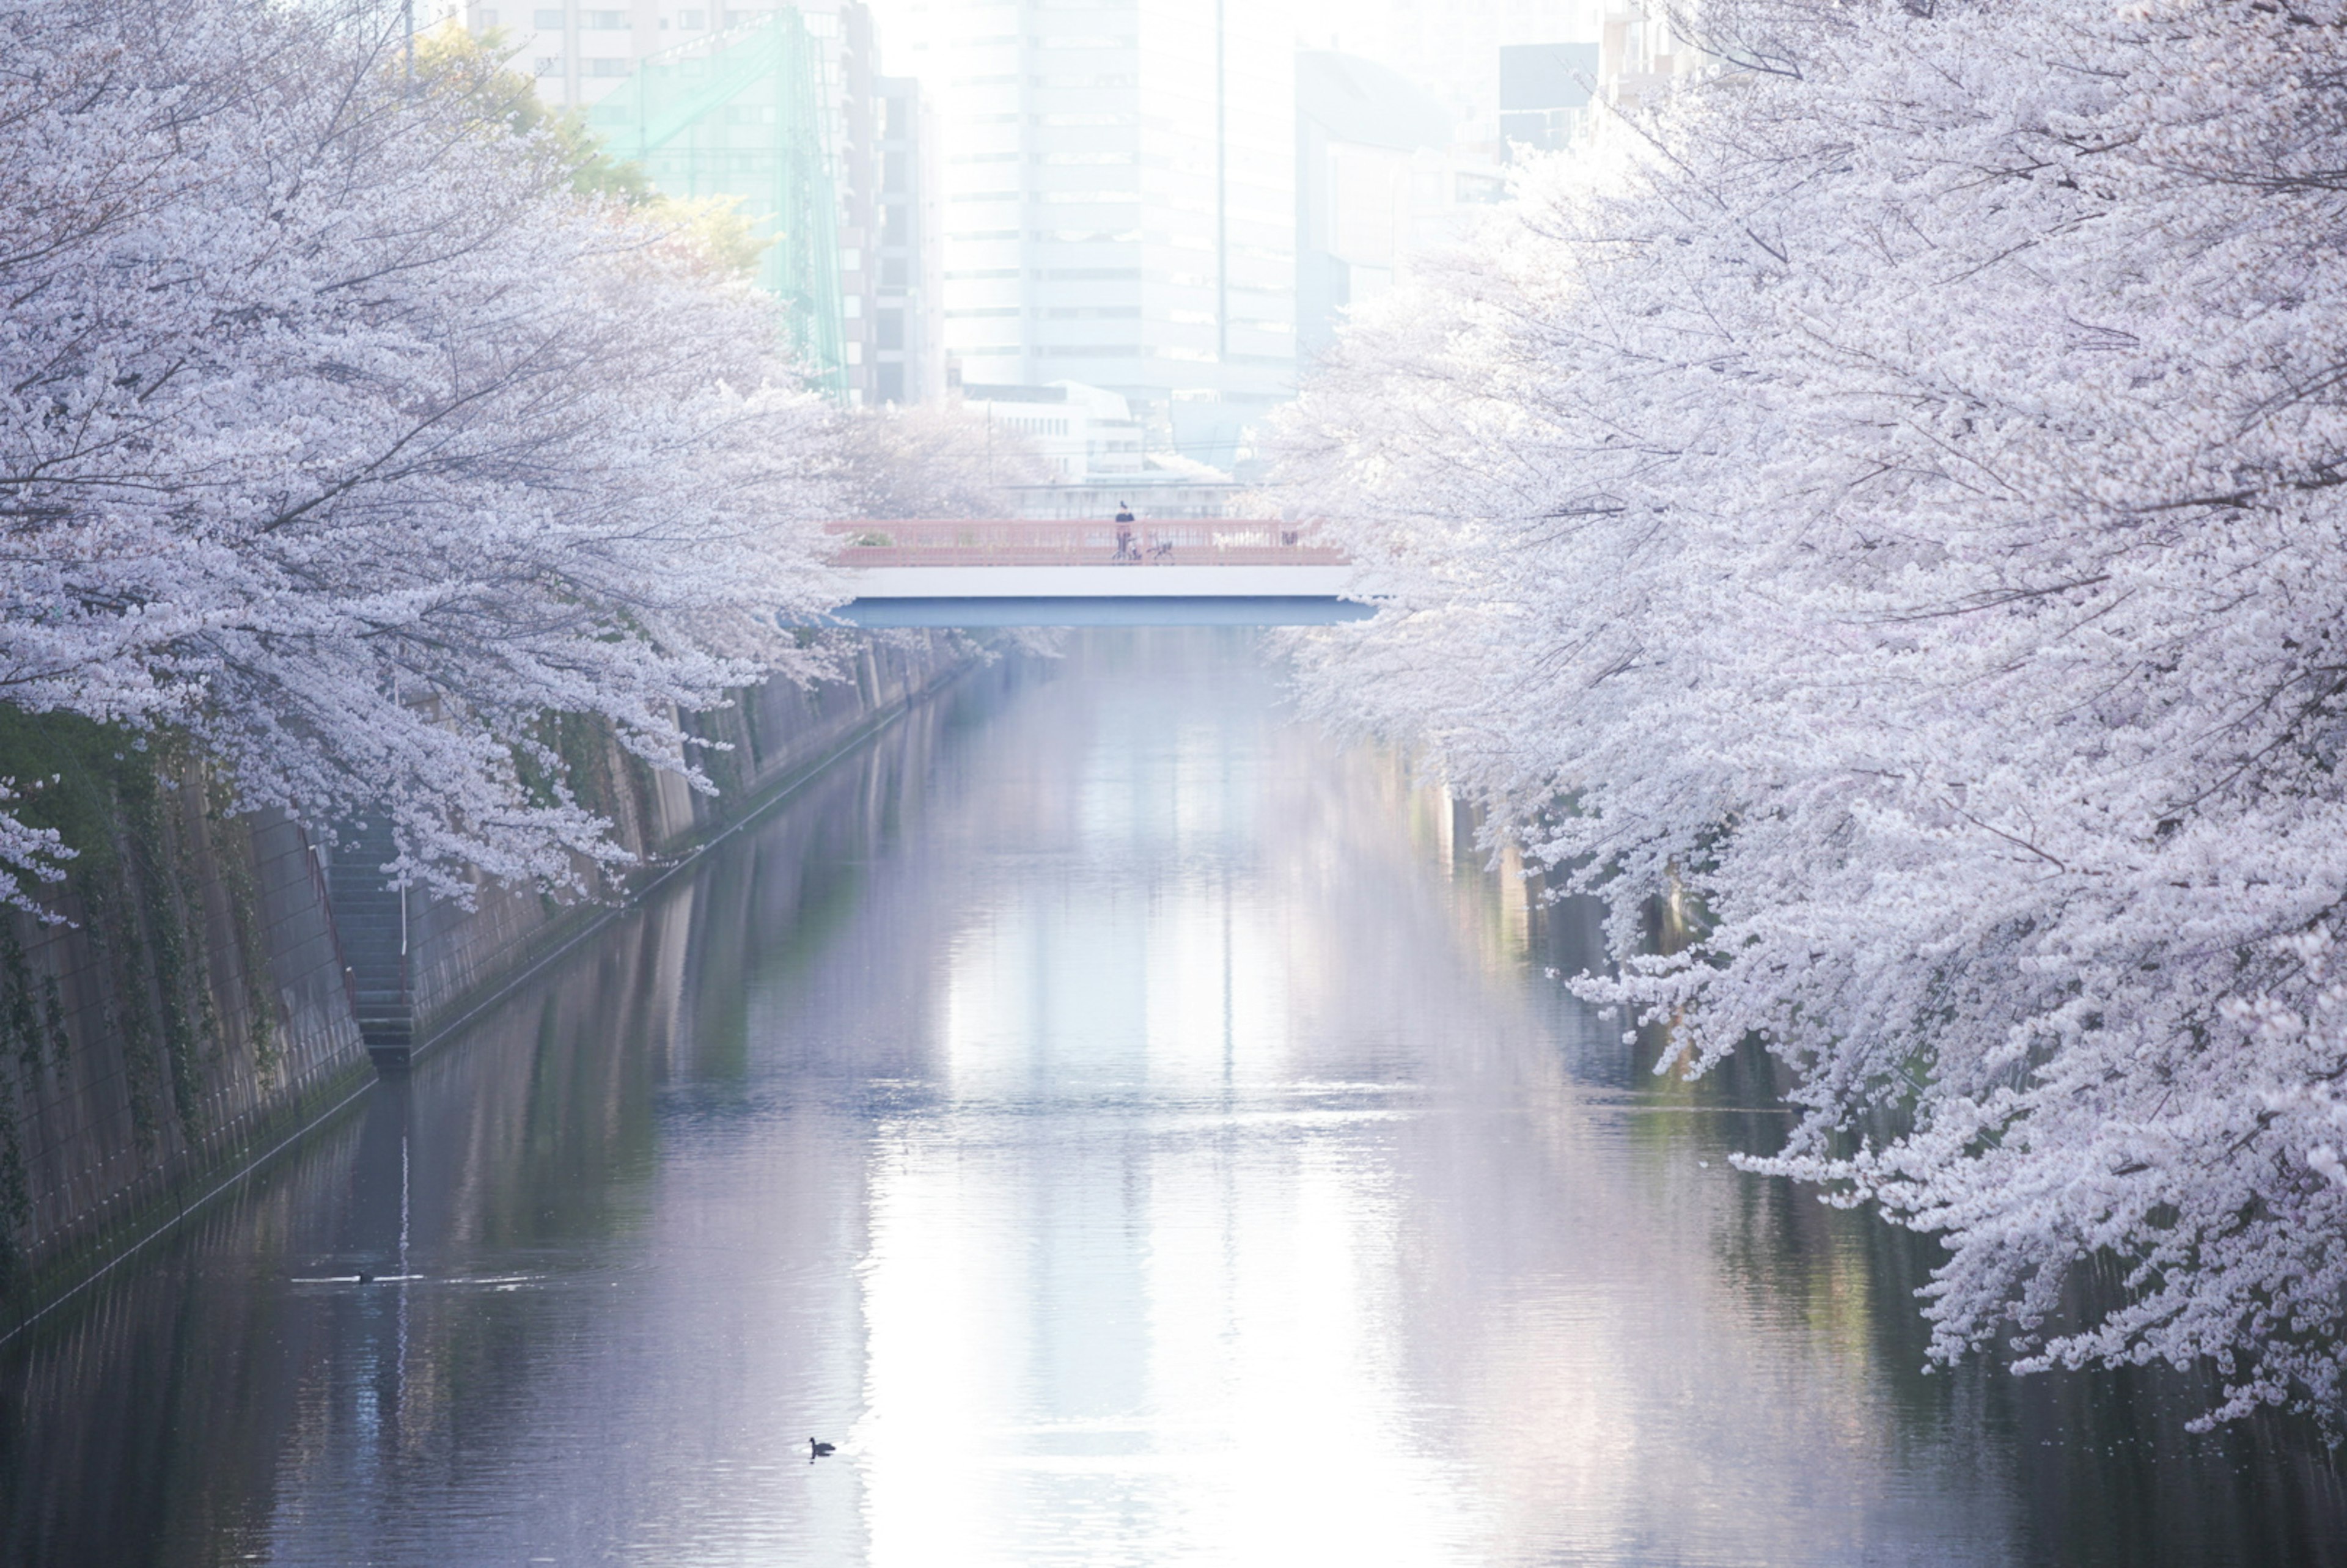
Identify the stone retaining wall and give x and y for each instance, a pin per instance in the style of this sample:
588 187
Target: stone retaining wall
201 1007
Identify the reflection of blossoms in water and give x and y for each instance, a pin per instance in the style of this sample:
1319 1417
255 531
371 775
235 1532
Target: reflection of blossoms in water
1884 500
1135 1130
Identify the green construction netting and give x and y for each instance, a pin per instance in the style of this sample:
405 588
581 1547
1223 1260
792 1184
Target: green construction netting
741 114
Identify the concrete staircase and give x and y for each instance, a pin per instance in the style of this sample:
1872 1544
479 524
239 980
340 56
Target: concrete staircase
370 920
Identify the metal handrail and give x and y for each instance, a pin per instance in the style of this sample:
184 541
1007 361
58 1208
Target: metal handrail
990 541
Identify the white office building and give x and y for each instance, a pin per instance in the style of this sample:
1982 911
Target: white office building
1118 203
1079 432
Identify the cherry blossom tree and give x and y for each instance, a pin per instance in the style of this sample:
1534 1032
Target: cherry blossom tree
931 460
342 434
1888 493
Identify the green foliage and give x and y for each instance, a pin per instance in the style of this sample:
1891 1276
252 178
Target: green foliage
32 1028
716 227
449 59
125 1003
165 863
67 767
235 862
28 1030
578 768
16 1196
100 787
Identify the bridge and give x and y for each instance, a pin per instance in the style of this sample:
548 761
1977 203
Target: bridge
1219 572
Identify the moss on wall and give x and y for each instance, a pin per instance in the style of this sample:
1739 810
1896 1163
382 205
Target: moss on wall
122 801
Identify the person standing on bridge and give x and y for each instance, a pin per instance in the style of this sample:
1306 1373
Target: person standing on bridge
1124 550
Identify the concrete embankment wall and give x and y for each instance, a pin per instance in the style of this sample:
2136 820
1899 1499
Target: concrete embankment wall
200 1006
770 733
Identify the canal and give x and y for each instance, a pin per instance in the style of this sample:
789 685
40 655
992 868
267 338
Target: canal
1136 1131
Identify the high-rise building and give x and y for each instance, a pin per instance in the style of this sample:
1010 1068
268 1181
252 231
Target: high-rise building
785 108
1544 93
1117 202
891 345
1378 178
581 50
1450 49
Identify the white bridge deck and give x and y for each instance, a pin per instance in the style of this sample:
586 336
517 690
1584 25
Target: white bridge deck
986 572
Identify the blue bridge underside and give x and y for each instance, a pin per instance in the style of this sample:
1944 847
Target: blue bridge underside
1139 610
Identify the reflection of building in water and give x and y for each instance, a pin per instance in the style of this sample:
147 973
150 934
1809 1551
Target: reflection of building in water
1124 1118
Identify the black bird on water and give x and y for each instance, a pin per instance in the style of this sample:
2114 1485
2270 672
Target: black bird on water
816 1450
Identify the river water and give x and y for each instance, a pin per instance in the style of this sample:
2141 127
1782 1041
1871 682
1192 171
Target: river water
1137 1130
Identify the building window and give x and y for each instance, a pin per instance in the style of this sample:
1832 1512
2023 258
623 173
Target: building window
892 273
692 20
606 67
889 327
892 227
603 21
891 382
547 21
484 17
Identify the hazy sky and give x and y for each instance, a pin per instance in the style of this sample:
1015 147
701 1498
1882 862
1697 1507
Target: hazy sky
1449 46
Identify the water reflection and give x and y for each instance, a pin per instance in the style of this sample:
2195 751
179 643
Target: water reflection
1139 1133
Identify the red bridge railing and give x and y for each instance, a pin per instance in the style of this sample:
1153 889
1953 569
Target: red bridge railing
1217 541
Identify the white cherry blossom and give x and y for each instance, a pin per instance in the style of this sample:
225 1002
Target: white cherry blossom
1892 497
